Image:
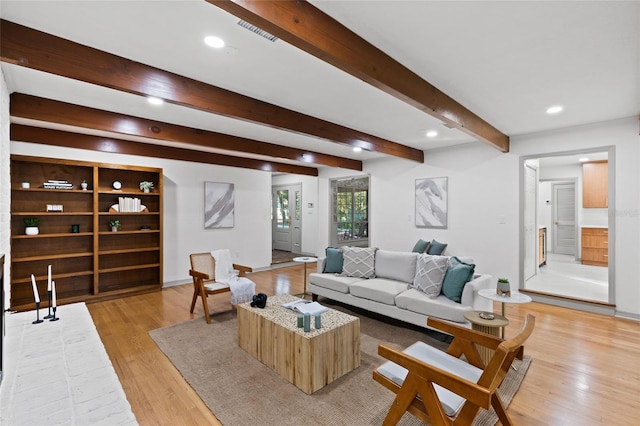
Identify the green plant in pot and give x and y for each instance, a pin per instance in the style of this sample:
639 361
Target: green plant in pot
31 225
114 224
146 186
503 287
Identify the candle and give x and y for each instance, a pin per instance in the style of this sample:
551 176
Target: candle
49 278
35 289
53 294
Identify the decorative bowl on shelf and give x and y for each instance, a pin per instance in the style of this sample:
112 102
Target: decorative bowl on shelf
116 209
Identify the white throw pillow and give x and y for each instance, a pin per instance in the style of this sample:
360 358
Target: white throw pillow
430 271
358 262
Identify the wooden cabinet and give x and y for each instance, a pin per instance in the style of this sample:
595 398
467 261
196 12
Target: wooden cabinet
595 246
595 184
89 262
542 246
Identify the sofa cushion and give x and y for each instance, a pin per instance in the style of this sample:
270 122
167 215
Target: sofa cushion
436 247
440 307
430 272
421 246
358 262
396 265
333 282
378 289
333 261
458 274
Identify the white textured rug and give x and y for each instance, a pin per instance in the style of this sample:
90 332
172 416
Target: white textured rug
58 373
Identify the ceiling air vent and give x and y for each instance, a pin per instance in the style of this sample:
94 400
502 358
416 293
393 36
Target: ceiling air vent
254 29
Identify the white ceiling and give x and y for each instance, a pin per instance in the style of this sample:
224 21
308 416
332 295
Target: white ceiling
507 61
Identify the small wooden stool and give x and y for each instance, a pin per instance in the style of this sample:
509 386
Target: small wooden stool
489 326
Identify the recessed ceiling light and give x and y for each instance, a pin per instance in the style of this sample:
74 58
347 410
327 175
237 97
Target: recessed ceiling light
154 101
357 149
583 159
554 109
215 42
432 134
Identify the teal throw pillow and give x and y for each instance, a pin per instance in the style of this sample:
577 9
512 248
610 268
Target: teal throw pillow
333 262
436 248
421 246
457 275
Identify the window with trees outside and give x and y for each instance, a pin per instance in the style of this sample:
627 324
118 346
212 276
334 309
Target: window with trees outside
350 224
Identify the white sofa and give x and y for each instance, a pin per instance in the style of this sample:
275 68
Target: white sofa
390 294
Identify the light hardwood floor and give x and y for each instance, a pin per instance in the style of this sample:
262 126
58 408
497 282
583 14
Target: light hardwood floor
584 371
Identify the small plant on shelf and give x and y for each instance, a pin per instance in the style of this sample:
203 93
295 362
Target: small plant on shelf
114 224
31 225
84 185
146 186
31 221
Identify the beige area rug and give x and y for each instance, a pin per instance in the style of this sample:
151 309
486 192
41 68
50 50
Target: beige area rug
240 390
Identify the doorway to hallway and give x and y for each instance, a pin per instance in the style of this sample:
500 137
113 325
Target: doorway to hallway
286 234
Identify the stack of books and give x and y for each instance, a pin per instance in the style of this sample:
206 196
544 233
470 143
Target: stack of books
57 184
129 205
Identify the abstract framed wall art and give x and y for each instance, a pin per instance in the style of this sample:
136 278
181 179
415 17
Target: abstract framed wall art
431 202
218 205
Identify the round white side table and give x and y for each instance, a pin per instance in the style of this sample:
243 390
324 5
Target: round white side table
517 298
305 260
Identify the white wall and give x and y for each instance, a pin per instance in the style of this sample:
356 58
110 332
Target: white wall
482 218
309 214
249 240
5 187
484 210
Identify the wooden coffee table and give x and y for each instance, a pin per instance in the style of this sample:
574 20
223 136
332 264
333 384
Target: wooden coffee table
309 360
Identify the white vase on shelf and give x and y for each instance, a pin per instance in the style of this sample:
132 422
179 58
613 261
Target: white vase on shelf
31 230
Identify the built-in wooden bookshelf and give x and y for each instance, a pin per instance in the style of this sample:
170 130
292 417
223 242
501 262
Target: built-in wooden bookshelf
93 263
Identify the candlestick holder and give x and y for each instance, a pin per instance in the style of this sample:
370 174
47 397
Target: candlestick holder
49 313
38 320
53 317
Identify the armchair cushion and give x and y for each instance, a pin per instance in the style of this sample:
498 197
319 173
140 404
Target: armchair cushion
451 402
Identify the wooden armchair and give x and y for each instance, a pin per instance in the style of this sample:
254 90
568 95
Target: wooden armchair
203 272
463 386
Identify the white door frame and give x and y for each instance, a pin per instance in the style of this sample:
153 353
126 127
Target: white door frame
611 209
294 238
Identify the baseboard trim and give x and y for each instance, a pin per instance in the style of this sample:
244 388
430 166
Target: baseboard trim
571 303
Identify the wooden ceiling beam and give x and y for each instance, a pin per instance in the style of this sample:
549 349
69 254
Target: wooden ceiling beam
34 49
44 136
301 24
47 110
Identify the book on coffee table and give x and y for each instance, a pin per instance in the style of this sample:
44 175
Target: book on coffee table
305 306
